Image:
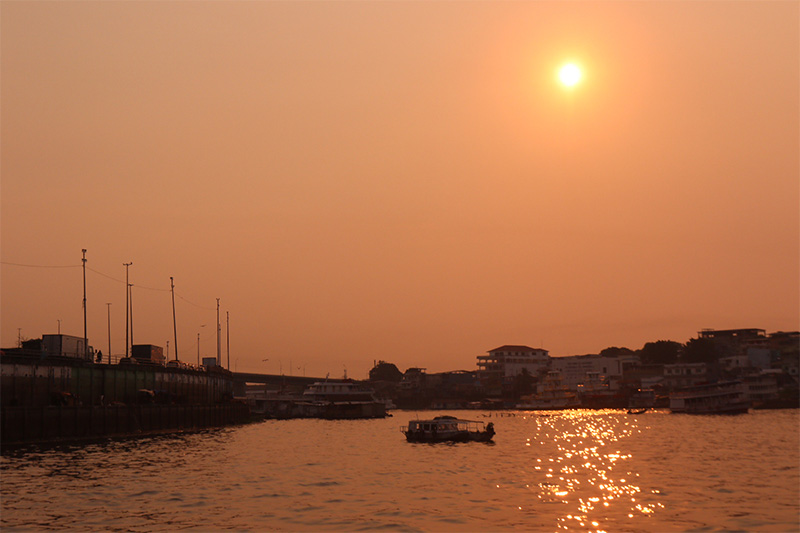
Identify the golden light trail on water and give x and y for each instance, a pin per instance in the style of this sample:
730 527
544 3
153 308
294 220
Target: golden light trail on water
581 472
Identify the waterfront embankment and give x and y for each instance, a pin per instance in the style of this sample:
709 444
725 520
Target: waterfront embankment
63 399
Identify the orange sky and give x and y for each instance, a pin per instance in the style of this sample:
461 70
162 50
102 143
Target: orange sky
399 180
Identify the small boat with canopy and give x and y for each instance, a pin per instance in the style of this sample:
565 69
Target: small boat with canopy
448 429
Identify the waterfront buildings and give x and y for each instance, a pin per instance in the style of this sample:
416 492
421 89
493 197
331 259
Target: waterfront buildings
575 370
684 375
499 369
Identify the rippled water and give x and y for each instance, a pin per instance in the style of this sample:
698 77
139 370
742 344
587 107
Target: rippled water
572 470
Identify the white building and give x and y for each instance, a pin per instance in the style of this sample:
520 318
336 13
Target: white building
575 368
685 374
505 363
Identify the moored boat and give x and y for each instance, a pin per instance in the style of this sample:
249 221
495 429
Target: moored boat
340 399
552 395
724 397
448 429
642 398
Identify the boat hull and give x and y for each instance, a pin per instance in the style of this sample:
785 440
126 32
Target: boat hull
448 429
727 409
461 436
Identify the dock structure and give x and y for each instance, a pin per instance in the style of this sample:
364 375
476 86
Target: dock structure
54 399
271 382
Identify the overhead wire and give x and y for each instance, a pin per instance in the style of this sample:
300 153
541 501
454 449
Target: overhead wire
123 282
112 278
38 266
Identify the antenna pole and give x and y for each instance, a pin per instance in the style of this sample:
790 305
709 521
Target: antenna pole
228 335
219 360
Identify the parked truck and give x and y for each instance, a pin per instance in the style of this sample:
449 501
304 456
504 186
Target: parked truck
65 346
148 354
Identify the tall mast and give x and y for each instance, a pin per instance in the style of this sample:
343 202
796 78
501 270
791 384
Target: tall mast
174 324
130 290
85 336
219 360
228 335
127 309
108 306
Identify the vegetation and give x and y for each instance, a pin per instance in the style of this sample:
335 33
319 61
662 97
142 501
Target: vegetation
660 352
700 351
613 351
384 371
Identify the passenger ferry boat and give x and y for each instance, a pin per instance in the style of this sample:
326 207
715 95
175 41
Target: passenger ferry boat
338 391
724 397
448 429
340 399
552 395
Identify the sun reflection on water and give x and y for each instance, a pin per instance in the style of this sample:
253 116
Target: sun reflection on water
586 469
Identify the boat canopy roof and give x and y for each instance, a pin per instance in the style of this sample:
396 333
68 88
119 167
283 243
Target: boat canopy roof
445 419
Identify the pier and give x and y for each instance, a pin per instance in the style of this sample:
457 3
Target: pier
63 399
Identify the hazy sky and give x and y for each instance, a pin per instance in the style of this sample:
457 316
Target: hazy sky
404 181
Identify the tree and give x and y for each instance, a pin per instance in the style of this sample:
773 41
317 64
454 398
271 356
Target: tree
384 371
660 352
613 351
700 351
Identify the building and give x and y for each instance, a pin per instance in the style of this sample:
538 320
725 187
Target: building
730 342
684 375
575 369
762 388
498 370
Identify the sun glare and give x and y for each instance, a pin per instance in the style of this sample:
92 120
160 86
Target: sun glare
570 75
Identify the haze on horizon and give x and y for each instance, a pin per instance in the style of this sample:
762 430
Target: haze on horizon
405 181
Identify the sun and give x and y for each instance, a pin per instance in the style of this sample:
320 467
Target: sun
570 75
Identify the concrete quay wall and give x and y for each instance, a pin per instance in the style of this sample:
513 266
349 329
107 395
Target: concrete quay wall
33 382
52 424
52 399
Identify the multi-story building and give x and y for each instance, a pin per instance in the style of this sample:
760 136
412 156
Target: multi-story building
684 375
730 342
576 369
762 388
499 369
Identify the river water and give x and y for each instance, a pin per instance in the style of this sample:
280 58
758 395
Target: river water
567 470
